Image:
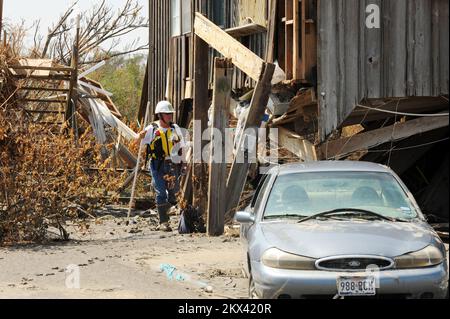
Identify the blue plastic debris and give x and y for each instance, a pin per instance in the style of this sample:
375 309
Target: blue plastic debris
171 272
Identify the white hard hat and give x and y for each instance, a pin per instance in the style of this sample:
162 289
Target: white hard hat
164 107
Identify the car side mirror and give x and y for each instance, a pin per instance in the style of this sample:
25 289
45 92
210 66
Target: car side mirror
244 218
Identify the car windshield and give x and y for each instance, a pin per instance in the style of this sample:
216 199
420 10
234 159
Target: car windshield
308 194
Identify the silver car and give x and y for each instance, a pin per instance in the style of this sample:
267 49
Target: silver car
339 230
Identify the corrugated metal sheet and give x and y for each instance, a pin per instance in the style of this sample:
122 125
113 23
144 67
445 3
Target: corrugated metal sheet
406 56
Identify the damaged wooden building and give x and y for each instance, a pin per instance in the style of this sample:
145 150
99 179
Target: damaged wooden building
341 79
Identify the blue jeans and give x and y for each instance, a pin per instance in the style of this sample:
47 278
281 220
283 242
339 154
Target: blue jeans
165 190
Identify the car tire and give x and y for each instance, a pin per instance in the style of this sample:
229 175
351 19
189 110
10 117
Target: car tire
252 293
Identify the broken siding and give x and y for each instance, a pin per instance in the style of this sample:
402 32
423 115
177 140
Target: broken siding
159 40
407 56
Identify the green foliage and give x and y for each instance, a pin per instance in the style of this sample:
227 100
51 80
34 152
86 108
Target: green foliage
123 76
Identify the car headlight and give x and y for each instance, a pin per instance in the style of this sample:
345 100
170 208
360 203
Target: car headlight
276 258
430 256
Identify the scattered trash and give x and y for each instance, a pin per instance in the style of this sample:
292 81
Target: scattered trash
171 272
209 289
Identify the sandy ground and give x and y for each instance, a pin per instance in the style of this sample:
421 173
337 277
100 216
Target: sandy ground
119 261
115 260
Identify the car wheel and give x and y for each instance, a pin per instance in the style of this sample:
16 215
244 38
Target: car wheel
252 293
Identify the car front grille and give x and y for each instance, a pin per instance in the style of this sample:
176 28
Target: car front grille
356 263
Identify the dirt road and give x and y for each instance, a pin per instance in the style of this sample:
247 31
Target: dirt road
118 261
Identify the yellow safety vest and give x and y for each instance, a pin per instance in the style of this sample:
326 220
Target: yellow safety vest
162 143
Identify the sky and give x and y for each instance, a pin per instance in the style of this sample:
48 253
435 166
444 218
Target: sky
49 11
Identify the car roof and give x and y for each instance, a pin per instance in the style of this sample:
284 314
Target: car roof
330 166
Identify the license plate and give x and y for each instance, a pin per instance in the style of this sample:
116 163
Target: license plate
356 286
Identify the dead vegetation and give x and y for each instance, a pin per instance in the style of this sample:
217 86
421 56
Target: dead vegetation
45 177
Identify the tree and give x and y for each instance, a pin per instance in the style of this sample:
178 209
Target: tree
123 76
100 31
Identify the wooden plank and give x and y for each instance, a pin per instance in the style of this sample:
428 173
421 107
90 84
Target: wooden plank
327 70
309 41
225 44
298 34
44 68
51 77
416 105
373 58
281 45
341 148
72 96
289 37
201 107
422 48
394 47
43 101
32 88
295 144
245 30
238 174
223 71
44 111
269 56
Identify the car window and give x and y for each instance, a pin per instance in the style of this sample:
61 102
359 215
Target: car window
308 194
260 193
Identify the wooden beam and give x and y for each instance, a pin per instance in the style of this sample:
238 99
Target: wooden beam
229 47
41 68
42 101
51 77
289 39
223 74
295 144
201 107
309 43
72 97
296 61
269 56
238 174
31 88
44 111
340 148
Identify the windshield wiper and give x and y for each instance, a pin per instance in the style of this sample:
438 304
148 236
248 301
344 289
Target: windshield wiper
348 211
284 216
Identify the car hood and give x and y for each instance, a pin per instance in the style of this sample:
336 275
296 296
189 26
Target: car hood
319 239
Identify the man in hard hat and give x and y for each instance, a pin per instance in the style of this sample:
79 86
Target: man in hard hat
164 141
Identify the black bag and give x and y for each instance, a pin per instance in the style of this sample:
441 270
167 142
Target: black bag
191 222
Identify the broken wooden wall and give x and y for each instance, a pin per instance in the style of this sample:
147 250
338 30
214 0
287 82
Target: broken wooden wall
406 56
158 61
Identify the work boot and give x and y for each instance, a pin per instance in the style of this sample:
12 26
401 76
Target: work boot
162 212
165 227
